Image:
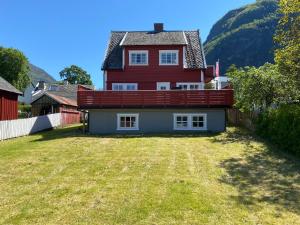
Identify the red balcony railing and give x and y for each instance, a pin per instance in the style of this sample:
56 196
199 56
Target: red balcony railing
172 98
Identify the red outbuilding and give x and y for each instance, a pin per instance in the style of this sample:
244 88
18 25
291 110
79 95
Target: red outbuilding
8 101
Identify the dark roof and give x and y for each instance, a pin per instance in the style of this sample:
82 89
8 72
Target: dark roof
62 100
195 57
5 86
113 56
64 94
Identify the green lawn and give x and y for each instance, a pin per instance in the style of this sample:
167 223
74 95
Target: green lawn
63 177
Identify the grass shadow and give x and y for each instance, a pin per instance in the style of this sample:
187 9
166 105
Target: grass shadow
76 131
265 175
59 133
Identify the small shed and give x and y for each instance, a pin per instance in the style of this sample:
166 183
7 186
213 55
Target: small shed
8 100
49 103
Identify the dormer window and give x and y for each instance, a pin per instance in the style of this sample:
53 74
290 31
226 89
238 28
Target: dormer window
138 58
168 57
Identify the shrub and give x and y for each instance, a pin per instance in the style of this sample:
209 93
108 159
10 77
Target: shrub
282 127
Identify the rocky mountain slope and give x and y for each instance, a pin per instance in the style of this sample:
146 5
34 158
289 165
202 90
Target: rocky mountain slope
244 36
37 74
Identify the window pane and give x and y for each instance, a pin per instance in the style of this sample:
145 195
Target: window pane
128 122
181 121
138 58
168 58
174 57
133 122
197 121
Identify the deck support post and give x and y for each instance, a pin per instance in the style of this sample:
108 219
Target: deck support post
83 122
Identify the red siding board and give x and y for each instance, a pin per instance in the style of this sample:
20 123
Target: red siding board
8 105
70 117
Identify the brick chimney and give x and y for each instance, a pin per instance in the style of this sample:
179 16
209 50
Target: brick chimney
158 27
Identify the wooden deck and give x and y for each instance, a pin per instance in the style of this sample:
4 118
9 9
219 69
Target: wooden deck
154 99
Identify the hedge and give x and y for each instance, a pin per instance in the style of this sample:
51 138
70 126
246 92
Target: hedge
282 127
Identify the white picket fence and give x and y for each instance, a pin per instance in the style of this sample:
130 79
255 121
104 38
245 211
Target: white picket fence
22 127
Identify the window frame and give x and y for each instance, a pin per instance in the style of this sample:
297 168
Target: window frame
200 84
119 115
166 84
168 51
130 52
190 121
124 85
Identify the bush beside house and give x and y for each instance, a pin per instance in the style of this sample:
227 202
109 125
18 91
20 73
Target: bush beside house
282 127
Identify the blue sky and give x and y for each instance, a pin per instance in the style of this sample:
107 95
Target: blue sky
54 34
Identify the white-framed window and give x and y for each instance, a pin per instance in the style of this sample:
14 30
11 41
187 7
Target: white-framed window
138 58
127 121
190 86
124 86
163 86
190 121
168 57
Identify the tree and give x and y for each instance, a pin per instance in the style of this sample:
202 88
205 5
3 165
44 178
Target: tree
287 56
75 75
14 67
256 89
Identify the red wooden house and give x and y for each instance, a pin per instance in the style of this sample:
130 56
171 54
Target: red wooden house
8 101
154 82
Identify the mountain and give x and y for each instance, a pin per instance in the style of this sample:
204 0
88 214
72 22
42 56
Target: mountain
244 36
37 74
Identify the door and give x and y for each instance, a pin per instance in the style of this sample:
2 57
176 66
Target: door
161 86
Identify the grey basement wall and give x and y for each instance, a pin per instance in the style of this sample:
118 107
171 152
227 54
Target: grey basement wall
104 121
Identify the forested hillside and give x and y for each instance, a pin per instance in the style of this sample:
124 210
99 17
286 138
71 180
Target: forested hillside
244 36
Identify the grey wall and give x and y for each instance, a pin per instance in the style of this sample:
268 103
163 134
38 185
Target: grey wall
104 121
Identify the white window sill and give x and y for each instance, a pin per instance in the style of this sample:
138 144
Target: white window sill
191 129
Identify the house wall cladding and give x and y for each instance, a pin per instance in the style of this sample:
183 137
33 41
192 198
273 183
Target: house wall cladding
8 105
104 121
147 76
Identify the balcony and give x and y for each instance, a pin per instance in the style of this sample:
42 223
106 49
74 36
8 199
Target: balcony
154 99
